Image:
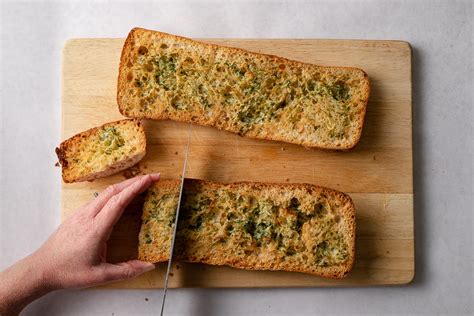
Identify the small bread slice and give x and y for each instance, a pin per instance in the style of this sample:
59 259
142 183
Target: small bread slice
167 77
102 151
256 226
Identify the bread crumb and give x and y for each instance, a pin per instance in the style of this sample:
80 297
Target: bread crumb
282 148
146 299
171 274
175 152
132 171
177 267
287 180
57 164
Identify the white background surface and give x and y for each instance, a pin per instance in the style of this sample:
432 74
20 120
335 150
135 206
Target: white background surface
33 34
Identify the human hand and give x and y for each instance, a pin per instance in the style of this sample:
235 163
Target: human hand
74 256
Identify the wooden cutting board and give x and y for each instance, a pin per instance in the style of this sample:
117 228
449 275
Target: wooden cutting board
378 173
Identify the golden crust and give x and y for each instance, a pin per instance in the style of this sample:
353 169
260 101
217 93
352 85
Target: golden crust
70 148
124 98
157 252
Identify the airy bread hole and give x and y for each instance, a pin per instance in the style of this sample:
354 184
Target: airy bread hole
143 103
142 50
337 218
148 67
320 210
163 46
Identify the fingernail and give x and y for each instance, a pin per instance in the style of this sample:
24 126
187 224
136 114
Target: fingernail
155 176
149 266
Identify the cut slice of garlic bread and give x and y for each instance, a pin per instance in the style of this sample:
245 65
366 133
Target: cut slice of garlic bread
102 151
162 76
256 226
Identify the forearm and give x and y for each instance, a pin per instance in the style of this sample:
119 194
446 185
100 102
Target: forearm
21 284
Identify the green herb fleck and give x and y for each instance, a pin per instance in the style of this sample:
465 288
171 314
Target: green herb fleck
111 139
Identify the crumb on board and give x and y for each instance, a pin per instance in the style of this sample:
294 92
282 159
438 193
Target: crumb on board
175 152
132 171
146 299
57 164
177 267
171 274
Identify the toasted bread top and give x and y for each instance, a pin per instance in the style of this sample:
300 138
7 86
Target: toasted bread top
291 227
164 76
102 150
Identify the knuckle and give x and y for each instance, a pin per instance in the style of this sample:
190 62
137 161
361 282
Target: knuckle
116 200
128 273
100 276
111 189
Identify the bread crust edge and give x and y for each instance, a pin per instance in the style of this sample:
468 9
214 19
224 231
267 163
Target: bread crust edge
113 168
121 88
334 272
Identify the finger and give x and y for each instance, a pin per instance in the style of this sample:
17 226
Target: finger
114 189
108 272
111 212
98 203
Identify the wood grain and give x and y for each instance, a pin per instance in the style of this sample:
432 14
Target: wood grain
377 173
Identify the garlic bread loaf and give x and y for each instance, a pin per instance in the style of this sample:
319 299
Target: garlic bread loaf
256 226
163 76
102 151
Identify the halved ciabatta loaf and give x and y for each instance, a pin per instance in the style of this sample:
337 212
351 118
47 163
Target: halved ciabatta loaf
257 226
102 151
162 76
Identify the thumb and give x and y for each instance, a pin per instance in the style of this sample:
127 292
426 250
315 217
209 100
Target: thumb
125 270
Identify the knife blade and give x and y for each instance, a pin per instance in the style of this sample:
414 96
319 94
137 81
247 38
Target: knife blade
175 228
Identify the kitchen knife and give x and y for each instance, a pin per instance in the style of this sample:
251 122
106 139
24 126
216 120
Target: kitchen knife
173 238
